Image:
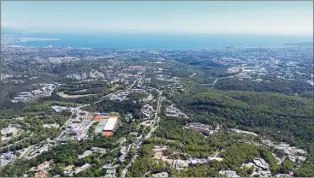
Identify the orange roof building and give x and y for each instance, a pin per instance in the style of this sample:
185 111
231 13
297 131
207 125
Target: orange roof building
110 126
90 117
107 133
97 118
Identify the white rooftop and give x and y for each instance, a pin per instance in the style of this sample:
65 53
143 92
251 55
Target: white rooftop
111 123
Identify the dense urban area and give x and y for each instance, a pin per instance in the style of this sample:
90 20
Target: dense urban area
229 112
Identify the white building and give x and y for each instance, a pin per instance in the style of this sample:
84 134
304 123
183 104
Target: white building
161 174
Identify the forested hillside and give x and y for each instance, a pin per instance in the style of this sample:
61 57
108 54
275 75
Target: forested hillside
287 118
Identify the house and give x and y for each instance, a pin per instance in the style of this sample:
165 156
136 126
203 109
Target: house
111 173
123 150
205 129
160 148
122 158
9 131
98 149
85 154
41 170
82 168
229 173
59 108
161 174
261 163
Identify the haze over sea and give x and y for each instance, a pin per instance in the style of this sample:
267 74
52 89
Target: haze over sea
161 40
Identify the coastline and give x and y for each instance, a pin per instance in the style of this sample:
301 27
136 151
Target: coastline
38 39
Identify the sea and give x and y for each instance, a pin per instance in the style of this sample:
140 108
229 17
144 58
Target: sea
160 40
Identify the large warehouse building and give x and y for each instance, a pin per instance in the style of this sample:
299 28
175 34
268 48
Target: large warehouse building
109 127
106 123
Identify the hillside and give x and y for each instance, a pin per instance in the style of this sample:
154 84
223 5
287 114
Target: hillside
278 115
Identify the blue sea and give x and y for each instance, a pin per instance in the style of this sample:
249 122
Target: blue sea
160 41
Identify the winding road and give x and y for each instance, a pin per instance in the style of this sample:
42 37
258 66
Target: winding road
154 126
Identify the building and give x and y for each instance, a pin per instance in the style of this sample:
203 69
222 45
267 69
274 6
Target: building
197 161
244 132
100 126
98 149
85 122
123 150
110 126
41 170
44 165
85 154
6 158
106 123
9 131
122 158
59 108
172 111
203 128
51 125
62 139
160 148
76 120
229 173
161 174
82 168
97 117
215 159
111 173
261 163
104 114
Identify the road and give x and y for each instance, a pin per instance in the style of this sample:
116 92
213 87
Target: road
29 148
73 111
192 75
154 126
146 173
212 84
77 109
16 142
104 97
156 119
26 151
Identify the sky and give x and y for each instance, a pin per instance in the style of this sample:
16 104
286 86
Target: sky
267 18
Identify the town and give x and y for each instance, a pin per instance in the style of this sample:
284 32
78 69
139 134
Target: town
106 111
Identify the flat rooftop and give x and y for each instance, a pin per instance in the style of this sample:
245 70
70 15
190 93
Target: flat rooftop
111 123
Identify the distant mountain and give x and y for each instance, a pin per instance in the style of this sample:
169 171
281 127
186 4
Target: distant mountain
305 44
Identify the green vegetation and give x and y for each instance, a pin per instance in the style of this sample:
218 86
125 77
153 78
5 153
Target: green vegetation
123 107
280 116
66 154
278 109
275 86
42 107
83 88
186 144
145 163
34 132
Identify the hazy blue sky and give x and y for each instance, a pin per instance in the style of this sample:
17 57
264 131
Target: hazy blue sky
286 18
